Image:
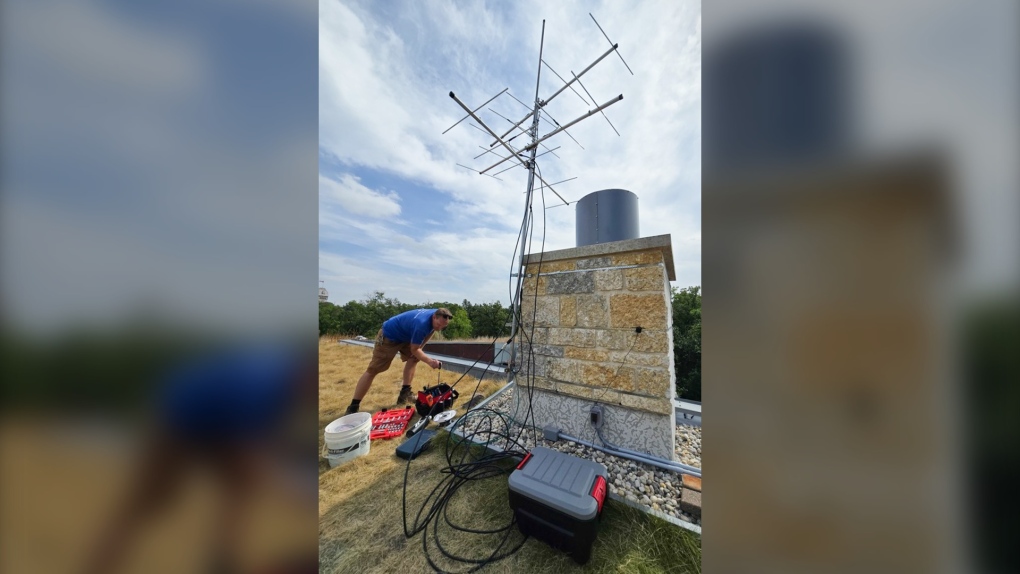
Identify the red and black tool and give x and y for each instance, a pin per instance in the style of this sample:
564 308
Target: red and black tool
430 402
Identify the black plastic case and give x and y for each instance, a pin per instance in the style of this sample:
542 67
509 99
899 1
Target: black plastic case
559 498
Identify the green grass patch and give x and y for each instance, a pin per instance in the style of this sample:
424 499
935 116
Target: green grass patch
361 529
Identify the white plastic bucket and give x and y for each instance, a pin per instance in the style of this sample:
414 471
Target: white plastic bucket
347 438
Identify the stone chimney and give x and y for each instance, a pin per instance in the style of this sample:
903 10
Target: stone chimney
601 331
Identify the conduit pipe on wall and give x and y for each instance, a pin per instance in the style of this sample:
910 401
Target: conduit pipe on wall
684 467
645 458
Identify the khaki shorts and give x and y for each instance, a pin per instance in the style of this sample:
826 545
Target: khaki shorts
385 351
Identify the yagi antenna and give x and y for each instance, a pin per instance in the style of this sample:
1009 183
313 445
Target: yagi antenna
535 142
534 114
539 104
526 155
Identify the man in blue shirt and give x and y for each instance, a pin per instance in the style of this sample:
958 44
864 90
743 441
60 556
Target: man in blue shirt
405 333
227 412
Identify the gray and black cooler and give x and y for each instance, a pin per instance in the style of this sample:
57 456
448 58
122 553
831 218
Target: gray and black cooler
558 499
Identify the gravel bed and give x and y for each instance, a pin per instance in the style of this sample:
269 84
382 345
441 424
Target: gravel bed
638 482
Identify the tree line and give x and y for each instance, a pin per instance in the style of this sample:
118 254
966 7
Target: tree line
366 317
490 319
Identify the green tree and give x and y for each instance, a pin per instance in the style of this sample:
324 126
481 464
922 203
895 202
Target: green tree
488 319
686 305
460 325
329 319
991 367
355 319
366 317
359 317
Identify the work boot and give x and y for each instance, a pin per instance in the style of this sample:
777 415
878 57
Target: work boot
405 397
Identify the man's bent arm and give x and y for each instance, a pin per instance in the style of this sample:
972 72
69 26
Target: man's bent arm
420 355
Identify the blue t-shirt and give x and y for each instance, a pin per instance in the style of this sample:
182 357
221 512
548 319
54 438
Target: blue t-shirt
237 394
409 326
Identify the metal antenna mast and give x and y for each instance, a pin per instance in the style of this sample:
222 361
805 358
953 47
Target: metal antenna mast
535 113
532 148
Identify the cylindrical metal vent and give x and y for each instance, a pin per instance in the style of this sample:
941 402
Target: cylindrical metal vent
607 215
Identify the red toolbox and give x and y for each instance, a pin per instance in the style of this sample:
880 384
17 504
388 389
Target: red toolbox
558 498
388 424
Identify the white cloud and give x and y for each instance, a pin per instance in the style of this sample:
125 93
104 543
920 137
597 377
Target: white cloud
134 192
97 44
384 83
350 195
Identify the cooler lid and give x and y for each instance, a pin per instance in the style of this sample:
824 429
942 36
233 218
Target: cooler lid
559 480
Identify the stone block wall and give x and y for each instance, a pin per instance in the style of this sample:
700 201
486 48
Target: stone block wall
600 324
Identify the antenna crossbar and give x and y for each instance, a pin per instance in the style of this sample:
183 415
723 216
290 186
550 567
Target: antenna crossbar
610 41
476 109
586 102
513 153
562 128
565 202
556 183
550 118
476 171
535 143
536 157
593 99
524 131
583 72
542 103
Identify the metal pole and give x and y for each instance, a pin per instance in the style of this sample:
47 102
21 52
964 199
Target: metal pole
527 204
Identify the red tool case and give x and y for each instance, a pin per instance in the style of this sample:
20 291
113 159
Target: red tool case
388 424
559 498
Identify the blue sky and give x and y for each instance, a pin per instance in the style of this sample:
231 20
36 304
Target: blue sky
166 158
162 165
396 213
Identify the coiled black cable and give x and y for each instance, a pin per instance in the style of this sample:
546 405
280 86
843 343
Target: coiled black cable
469 456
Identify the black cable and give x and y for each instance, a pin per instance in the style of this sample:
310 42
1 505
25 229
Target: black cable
457 474
618 367
495 427
527 337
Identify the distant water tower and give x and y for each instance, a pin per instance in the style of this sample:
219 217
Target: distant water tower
607 215
323 294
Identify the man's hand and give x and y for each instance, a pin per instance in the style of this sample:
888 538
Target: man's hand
435 364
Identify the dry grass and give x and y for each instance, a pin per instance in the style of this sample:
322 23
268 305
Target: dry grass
61 479
360 519
340 366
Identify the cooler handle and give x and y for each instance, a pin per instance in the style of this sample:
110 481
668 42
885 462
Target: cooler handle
598 491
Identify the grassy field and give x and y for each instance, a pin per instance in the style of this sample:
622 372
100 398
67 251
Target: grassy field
61 479
360 518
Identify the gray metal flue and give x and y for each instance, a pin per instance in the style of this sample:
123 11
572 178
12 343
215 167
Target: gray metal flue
607 215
